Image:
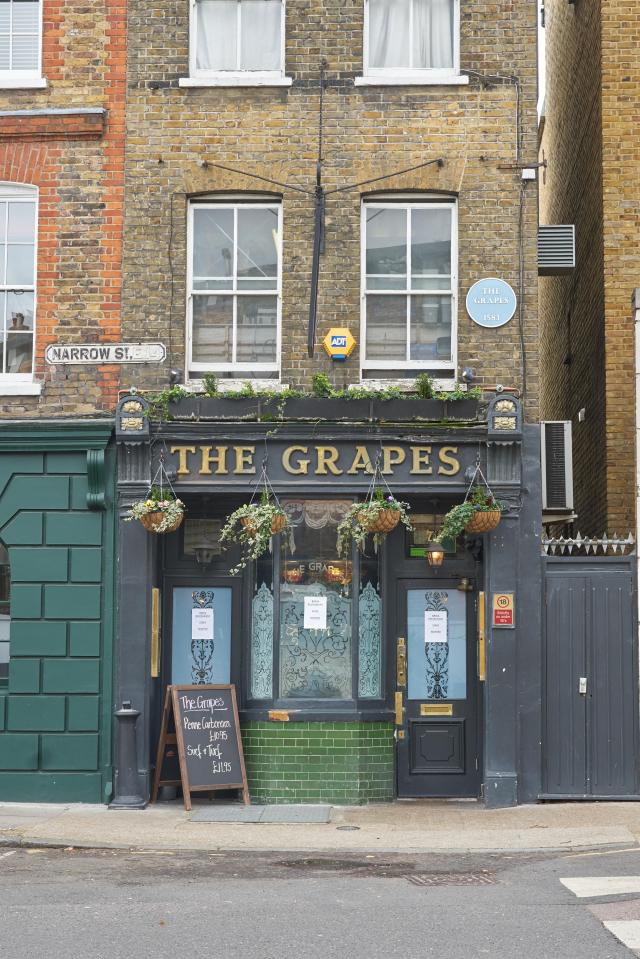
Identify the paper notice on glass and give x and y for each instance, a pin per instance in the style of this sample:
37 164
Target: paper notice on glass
201 624
315 612
435 626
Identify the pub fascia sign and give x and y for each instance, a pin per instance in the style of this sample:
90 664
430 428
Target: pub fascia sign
344 461
105 353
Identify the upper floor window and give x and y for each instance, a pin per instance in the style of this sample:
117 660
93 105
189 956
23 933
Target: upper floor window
234 37
409 266
234 287
411 37
20 40
18 229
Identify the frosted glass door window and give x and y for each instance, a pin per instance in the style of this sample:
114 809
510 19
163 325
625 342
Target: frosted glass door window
437 644
195 658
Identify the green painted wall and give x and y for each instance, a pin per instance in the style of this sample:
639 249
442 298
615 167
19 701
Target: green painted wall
341 763
55 713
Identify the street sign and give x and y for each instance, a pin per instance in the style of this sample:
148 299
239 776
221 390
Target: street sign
91 354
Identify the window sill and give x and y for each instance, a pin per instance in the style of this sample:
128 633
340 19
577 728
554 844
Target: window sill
225 386
400 80
23 83
247 81
407 385
9 388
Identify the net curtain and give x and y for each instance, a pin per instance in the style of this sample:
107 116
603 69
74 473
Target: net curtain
390 41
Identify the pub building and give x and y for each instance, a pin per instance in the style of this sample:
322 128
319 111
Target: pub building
403 687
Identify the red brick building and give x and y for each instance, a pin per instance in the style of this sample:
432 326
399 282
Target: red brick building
62 125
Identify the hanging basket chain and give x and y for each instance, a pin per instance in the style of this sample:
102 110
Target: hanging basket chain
478 472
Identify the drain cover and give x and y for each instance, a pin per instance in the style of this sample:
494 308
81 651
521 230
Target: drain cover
452 878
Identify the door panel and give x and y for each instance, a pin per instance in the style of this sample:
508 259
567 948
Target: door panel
201 635
590 736
565 715
437 740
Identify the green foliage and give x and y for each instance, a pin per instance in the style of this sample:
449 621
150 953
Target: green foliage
159 402
424 386
321 385
357 522
457 393
210 384
254 534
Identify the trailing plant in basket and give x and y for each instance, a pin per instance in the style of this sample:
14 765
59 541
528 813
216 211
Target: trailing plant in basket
479 500
160 502
252 525
378 515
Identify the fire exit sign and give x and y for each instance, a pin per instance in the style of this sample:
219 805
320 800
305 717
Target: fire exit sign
504 611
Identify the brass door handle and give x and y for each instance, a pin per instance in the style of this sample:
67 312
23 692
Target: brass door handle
401 662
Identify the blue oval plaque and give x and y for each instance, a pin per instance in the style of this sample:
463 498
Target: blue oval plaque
491 302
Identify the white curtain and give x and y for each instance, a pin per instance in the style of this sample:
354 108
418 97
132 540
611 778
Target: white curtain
389 33
261 35
433 34
390 41
217 34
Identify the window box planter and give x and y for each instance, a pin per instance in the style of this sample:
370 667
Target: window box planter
215 408
317 408
412 408
463 409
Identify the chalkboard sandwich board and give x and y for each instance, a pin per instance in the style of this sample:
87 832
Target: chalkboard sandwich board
202 723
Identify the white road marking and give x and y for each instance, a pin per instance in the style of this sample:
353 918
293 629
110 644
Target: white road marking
626 930
591 886
5 854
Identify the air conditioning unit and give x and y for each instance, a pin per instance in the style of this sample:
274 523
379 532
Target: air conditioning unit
556 249
557 466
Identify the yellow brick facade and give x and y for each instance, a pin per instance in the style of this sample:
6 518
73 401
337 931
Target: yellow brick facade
176 134
590 140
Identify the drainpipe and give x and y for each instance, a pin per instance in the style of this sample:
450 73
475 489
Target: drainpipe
635 305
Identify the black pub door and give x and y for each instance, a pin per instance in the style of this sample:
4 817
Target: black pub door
436 690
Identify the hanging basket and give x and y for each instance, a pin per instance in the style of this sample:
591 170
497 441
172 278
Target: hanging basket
483 521
153 521
278 523
383 521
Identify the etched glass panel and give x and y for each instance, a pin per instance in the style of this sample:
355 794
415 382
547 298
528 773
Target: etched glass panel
262 643
369 634
437 644
315 605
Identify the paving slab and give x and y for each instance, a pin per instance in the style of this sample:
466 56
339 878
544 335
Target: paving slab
265 814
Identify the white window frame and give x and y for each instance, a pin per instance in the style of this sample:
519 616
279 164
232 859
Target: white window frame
26 79
409 75
398 201
22 384
247 369
232 77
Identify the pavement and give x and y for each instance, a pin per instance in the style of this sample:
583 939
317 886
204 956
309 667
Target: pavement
404 826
